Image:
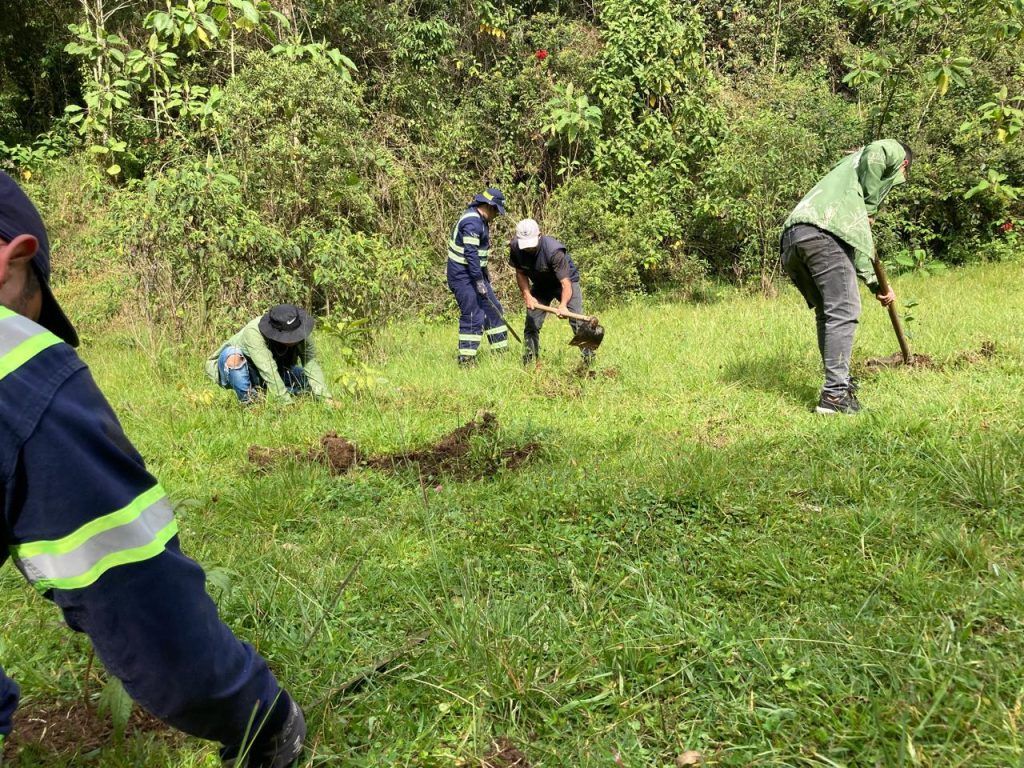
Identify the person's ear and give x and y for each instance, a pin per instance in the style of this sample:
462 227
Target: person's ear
20 249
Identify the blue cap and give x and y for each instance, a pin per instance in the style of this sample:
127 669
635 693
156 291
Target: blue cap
19 217
493 196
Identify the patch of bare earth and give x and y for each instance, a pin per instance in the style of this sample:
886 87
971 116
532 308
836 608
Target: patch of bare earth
448 456
876 364
69 729
504 754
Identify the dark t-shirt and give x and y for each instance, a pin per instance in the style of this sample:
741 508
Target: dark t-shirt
545 268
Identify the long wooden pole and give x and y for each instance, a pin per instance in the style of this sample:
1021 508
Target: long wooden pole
894 316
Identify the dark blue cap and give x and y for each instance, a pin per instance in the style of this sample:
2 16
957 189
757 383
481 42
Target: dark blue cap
19 217
493 196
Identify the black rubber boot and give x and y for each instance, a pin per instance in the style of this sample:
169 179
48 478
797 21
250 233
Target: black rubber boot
282 750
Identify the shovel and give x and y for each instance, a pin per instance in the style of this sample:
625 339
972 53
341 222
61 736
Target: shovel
588 336
897 326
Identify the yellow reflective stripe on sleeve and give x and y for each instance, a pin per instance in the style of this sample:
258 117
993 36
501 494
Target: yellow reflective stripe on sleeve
457 259
135 533
471 240
20 341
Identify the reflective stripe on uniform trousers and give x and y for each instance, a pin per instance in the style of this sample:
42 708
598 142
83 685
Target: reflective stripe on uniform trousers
135 533
501 330
20 340
472 338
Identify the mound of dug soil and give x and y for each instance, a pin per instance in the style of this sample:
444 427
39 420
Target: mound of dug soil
70 729
448 456
896 361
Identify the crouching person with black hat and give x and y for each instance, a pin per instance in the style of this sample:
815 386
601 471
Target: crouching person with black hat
273 355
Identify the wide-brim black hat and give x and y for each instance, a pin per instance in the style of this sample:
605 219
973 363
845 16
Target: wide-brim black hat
286 324
18 216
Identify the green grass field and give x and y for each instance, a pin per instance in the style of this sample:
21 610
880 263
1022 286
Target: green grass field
694 561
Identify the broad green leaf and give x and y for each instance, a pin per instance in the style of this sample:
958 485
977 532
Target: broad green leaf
114 699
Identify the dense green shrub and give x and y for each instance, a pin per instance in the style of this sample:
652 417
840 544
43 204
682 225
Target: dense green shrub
198 251
660 140
782 132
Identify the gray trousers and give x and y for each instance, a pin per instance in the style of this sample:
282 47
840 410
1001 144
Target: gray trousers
535 319
821 266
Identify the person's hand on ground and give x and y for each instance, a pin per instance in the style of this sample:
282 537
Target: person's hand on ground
885 299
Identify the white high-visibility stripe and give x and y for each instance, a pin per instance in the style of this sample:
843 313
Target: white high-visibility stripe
15 330
84 563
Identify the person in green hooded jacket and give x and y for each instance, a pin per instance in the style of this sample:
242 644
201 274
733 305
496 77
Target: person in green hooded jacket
827 244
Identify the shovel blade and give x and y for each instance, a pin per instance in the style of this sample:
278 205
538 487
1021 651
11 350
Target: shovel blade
588 336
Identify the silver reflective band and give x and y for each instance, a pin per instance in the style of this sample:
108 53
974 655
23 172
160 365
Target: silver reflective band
15 330
143 536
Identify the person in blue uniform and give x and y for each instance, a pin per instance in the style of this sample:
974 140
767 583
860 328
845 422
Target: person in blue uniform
91 530
469 281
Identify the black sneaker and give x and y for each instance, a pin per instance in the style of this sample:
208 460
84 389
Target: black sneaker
466 361
853 385
831 405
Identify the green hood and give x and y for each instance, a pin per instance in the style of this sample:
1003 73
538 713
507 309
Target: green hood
851 192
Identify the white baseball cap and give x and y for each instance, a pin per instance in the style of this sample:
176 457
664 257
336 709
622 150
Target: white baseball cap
527 233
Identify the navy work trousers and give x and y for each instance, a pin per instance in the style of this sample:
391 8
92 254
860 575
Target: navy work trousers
477 315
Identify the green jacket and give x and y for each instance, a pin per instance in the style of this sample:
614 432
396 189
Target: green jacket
254 346
851 192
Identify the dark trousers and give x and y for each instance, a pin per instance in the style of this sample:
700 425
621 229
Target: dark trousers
535 319
477 315
821 267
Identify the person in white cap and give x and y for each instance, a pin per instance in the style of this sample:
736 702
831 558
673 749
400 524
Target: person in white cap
544 272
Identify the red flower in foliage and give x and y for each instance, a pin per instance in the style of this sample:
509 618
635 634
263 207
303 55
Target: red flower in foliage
541 54
1007 226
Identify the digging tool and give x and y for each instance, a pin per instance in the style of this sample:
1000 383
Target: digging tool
897 326
497 309
382 664
588 336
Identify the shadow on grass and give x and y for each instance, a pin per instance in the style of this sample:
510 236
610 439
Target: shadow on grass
775 374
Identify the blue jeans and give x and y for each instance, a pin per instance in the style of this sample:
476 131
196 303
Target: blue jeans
246 381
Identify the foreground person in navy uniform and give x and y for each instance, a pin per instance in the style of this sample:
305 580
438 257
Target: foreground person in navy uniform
93 531
469 280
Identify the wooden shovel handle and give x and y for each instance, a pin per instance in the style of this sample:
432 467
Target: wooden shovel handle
573 315
894 316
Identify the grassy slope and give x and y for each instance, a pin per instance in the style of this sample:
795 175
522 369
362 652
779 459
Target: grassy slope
695 562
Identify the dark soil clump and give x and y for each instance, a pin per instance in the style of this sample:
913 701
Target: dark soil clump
70 729
504 754
337 452
896 361
986 352
605 373
449 456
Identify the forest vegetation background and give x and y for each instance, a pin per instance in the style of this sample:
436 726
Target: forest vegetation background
197 160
